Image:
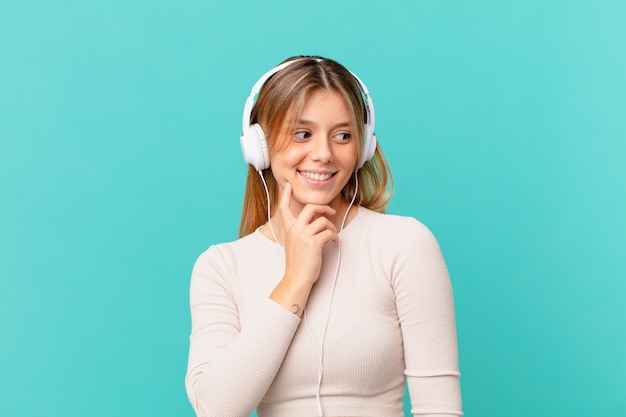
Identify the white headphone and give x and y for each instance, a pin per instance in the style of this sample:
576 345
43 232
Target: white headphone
254 144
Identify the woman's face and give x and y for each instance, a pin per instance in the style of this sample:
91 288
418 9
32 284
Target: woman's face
322 152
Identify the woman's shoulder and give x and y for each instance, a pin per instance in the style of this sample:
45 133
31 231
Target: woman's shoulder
224 250
395 223
394 230
397 236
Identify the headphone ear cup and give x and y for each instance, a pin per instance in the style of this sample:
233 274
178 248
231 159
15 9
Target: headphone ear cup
254 147
368 145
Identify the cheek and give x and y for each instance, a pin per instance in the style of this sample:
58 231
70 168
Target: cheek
351 157
288 157
282 165
278 161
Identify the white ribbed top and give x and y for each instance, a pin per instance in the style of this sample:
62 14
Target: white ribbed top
392 317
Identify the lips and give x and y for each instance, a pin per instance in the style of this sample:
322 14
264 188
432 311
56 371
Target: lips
317 176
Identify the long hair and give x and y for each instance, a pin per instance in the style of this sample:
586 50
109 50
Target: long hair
277 108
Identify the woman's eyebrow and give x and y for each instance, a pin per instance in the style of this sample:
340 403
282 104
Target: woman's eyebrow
311 123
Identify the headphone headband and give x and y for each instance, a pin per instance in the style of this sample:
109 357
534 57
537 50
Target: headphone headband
256 89
254 143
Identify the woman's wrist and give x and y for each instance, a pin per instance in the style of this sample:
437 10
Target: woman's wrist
292 295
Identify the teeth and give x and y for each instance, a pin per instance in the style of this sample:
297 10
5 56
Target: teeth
315 176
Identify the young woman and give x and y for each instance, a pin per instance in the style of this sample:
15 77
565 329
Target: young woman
325 306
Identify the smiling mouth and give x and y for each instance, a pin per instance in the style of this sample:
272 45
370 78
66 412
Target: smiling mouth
316 176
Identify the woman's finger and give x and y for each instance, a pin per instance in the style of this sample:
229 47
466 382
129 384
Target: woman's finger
310 212
320 224
284 205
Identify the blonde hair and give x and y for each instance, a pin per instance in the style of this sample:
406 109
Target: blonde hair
278 105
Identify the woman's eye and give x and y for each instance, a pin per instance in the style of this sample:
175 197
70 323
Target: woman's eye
343 136
302 135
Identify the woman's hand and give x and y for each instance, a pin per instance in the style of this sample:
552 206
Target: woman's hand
305 237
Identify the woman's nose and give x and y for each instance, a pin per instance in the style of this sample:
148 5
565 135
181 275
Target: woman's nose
321 150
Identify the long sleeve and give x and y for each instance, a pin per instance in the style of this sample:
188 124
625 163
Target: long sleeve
389 313
231 368
425 309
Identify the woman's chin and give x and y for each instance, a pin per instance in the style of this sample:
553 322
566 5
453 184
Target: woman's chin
322 200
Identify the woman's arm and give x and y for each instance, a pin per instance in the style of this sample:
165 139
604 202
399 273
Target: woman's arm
425 308
230 369
304 238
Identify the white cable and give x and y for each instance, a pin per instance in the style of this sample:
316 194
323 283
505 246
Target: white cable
269 212
320 347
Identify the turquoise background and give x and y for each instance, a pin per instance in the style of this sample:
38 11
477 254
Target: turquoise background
503 121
